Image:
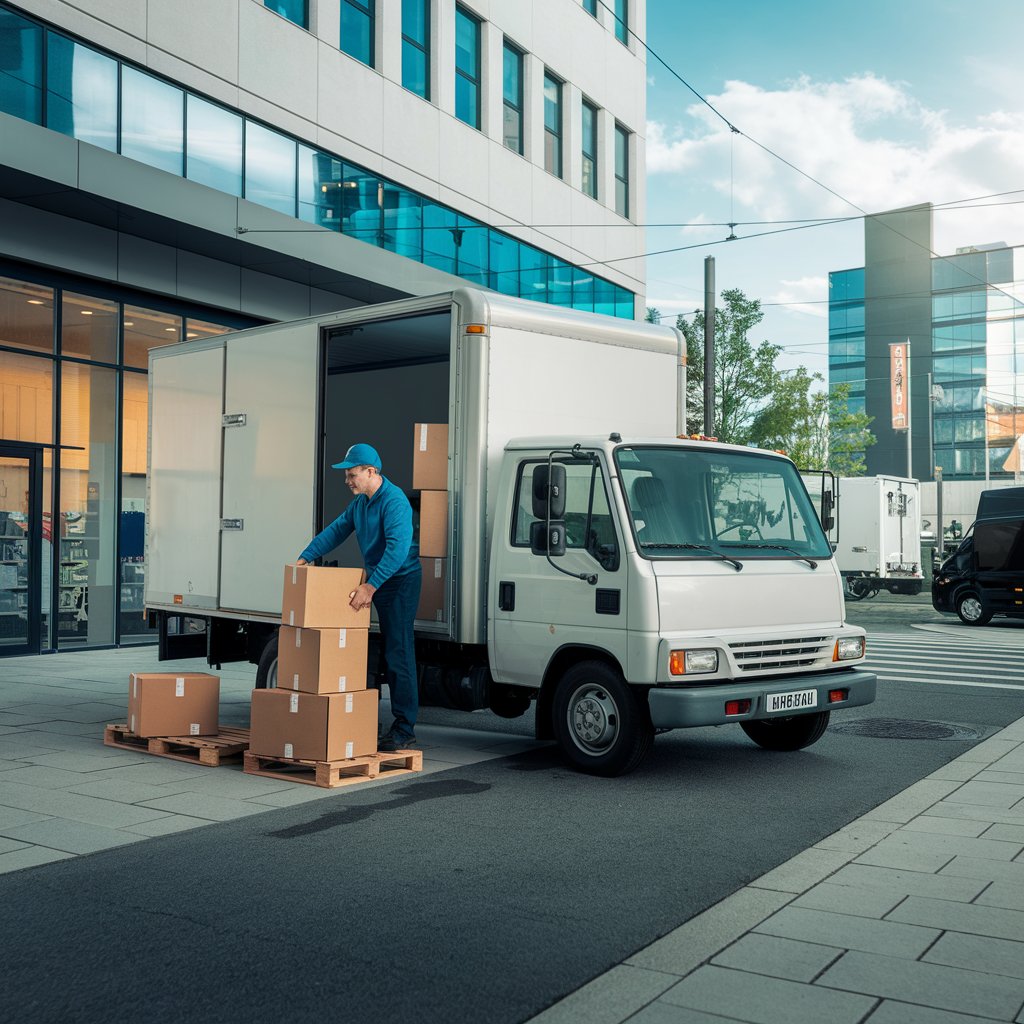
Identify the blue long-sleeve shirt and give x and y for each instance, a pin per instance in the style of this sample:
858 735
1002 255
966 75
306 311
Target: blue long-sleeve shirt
383 528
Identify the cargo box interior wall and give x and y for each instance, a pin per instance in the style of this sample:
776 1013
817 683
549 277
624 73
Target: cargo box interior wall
382 378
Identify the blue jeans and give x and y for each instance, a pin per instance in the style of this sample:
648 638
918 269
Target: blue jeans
396 601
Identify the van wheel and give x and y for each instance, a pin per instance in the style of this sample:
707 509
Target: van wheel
792 733
266 670
602 724
971 610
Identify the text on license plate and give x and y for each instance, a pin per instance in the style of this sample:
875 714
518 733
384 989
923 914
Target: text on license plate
797 700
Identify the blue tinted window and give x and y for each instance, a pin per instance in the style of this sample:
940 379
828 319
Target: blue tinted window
621 171
467 68
320 188
403 221
293 10
21 67
589 179
533 273
512 98
582 289
214 146
504 264
357 29
440 230
559 282
269 168
416 46
552 125
622 21
361 208
624 304
81 92
152 121
604 298
471 248
590 6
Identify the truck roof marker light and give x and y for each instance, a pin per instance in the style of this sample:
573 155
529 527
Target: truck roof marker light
695 437
835 696
476 329
737 707
178 599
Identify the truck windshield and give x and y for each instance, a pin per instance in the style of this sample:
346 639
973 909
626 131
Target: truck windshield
687 503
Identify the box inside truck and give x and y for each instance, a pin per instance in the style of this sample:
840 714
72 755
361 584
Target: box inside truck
382 379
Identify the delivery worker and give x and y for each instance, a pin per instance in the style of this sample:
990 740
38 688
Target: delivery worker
381 517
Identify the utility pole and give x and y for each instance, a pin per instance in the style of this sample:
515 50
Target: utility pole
709 345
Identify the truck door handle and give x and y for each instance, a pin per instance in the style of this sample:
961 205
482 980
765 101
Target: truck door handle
506 596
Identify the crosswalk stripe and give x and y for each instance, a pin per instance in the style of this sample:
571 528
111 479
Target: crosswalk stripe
952 682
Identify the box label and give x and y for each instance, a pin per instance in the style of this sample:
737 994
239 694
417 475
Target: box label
132 724
295 575
294 703
291 618
342 683
179 687
288 748
348 704
349 749
438 568
298 638
135 685
295 681
193 729
342 637
423 437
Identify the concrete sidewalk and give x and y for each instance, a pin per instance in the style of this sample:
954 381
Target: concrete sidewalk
912 914
62 793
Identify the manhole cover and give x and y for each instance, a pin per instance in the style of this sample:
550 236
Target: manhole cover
902 729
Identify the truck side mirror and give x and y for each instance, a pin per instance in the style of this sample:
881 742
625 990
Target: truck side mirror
548 539
827 519
549 495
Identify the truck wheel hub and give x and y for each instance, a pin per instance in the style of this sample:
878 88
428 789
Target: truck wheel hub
593 718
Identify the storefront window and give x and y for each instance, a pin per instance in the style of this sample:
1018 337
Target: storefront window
88 432
26 315
131 560
145 329
88 327
197 330
26 398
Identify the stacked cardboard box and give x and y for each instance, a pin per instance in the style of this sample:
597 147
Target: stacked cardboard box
173 704
430 478
321 709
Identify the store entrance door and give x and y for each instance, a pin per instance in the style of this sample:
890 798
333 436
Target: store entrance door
21 495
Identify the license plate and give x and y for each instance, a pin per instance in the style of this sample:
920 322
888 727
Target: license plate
797 700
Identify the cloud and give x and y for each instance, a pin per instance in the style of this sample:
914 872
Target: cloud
866 138
808 295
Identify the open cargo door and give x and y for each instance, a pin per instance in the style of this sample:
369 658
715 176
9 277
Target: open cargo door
271 445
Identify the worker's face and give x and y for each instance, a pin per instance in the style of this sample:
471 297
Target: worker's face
360 479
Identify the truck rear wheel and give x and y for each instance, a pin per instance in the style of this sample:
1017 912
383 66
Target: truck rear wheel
792 733
266 669
971 611
602 725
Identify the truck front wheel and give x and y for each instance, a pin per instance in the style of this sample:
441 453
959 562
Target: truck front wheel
602 725
792 733
266 669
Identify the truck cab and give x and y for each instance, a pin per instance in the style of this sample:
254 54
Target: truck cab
677 583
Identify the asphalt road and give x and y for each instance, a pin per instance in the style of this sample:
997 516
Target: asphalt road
483 893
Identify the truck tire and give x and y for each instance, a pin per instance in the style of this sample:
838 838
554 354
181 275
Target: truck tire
508 701
970 609
792 733
602 725
266 669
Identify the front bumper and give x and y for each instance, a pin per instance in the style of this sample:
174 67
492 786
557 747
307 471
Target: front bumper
686 707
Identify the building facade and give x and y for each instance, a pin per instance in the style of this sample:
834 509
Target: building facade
170 171
963 316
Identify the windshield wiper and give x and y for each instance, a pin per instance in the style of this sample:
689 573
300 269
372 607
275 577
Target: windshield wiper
775 547
735 563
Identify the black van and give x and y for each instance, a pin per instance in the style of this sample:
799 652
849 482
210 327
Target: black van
985 575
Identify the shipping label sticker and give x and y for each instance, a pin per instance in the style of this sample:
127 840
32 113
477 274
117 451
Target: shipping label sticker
298 638
295 575
133 723
348 704
423 437
342 637
294 703
179 687
193 729
295 681
288 750
135 685
342 683
291 617
350 749
438 568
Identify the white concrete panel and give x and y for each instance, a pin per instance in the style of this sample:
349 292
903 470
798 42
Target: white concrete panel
463 163
191 77
199 33
411 133
511 191
147 265
201 279
118 25
350 99
277 60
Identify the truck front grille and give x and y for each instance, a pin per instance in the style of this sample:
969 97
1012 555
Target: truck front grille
784 653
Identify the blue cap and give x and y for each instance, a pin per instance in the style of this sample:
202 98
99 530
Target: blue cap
359 455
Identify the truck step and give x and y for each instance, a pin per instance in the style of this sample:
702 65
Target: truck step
331 774
211 751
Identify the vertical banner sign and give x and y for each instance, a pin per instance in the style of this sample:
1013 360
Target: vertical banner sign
899 384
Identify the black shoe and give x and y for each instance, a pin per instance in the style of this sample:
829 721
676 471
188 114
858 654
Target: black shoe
389 743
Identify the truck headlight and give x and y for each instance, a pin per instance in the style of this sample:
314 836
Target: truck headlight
692 662
848 648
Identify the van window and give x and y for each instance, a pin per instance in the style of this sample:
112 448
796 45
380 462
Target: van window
999 545
586 500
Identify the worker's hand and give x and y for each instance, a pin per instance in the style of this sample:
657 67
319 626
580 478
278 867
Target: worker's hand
301 561
362 596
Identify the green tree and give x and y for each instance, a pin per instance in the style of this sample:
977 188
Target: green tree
744 375
653 315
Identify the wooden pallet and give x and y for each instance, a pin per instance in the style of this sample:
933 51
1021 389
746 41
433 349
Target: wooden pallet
331 774
210 751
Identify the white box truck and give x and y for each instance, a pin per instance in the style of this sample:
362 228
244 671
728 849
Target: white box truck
626 580
879 535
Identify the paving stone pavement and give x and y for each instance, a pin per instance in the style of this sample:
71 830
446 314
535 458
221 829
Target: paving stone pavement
912 914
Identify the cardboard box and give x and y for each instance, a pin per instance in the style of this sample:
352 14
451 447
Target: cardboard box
430 457
322 660
173 703
313 726
318 598
433 590
433 524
